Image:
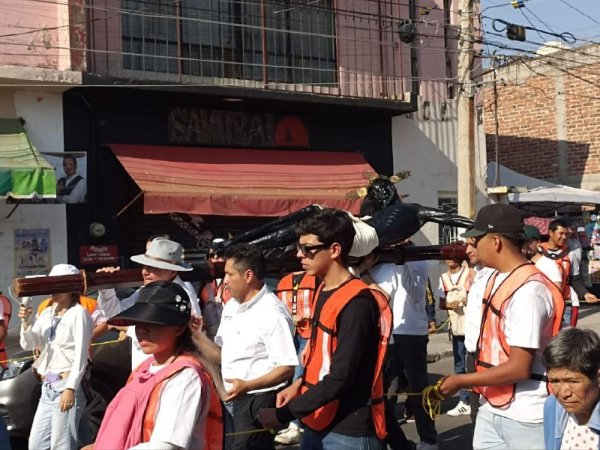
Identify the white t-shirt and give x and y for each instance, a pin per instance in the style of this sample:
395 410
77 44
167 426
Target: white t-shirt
255 337
527 324
405 285
181 416
549 268
474 308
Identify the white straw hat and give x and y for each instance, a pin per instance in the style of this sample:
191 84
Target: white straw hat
164 254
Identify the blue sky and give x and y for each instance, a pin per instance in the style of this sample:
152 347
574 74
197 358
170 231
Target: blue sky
557 15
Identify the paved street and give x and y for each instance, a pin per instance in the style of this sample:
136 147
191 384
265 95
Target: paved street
455 432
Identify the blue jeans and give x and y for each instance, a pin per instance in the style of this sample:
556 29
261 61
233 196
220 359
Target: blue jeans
323 440
299 343
494 432
460 362
4 438
51 428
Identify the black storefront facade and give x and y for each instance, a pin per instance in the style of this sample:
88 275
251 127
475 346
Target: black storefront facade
95 117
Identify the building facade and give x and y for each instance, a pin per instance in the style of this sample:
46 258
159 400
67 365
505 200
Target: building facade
547 115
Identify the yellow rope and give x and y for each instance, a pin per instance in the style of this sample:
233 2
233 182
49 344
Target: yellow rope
25 358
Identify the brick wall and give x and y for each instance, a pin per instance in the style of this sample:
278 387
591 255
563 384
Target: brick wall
528 121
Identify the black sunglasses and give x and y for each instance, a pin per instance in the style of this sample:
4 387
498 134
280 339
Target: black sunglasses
310 251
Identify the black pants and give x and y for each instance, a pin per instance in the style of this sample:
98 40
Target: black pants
473 397
396 438
245 410
412 353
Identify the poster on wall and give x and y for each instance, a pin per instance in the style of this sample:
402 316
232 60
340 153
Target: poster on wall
32 252
71 176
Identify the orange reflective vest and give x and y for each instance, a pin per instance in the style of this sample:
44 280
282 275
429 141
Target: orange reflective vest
87 302
7 308
322 345
297 291
213 434
561 258
489 353
215 292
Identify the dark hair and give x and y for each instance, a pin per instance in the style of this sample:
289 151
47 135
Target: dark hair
247 257
574 349
557 223
185 343
158 235
71 157
329 225
515 239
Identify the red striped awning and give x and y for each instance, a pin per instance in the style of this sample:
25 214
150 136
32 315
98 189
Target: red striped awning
241 182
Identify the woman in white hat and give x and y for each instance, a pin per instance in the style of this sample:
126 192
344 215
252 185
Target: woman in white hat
162 261
63 333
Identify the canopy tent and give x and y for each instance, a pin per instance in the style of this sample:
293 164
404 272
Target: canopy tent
241 182
542 198
24 173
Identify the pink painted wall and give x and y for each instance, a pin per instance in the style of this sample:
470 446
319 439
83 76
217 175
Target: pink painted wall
39 34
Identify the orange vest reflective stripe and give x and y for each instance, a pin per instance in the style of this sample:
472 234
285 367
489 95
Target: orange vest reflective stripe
492 348
7 308
213 432
297 291
563 262
323 343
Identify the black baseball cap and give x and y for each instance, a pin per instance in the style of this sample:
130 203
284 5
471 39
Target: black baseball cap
496 218
158 303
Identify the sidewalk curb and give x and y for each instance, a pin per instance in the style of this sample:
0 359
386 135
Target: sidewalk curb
436 356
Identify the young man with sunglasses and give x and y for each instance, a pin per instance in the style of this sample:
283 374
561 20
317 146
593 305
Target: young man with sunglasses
521 311
333 398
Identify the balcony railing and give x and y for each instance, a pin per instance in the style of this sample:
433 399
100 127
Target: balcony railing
341 48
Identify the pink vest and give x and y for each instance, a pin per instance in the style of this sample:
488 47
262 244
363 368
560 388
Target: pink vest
123 421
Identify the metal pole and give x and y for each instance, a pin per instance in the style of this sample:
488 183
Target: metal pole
179 30
265 56
465 146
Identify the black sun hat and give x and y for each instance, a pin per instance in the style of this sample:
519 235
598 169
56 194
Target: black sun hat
158 303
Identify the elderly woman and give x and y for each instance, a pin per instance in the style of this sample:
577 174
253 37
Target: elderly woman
572 413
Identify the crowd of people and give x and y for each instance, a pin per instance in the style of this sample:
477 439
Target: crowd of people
315 359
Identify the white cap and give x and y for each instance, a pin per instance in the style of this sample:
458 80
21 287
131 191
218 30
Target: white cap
63 269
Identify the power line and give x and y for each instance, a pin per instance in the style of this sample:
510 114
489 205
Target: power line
580 12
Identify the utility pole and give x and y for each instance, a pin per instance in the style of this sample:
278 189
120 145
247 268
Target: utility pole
465 145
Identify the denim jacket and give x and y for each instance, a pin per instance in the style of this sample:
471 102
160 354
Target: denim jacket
555 422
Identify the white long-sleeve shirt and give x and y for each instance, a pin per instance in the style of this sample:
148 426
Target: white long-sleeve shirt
64 341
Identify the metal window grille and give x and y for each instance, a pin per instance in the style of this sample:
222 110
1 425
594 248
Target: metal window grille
347 48
446 233
224 38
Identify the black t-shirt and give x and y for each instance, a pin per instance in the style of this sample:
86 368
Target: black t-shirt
352 368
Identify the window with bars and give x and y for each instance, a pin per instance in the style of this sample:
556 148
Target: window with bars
224 38
446 233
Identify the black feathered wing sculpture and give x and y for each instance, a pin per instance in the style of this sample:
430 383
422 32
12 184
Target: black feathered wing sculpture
393 224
